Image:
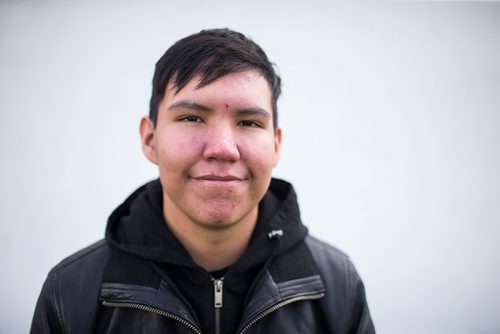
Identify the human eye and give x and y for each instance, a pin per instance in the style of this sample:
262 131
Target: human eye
191 118
251 124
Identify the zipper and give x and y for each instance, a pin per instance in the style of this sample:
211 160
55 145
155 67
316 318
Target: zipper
218 287
155 310
277 307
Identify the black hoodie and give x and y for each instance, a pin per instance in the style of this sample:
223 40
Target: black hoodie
138 227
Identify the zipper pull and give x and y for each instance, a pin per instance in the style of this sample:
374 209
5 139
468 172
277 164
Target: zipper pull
218 285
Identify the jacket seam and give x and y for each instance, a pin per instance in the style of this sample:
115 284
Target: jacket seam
351 292
56 301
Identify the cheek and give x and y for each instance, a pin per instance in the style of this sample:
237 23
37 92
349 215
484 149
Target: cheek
176 150
261 158
192 145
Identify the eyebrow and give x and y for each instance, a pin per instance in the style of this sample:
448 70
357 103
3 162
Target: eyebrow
251 111
186 104
254 111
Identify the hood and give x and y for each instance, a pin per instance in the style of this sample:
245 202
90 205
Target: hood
138 227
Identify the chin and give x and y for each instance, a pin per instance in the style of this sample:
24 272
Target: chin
216 224
218 219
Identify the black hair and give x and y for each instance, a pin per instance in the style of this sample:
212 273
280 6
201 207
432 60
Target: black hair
211 54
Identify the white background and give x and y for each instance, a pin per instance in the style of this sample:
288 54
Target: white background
391 117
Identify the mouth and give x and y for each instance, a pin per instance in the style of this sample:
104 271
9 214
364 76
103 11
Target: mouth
217 178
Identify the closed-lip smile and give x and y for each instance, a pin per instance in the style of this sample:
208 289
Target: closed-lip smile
220 178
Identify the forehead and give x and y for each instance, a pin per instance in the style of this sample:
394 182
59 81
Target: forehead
233 88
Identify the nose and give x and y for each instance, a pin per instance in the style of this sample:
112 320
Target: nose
221 145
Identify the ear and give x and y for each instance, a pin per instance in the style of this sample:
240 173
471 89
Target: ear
147 131
277 144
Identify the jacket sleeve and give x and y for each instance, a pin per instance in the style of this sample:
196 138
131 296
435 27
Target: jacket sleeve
47 317
360 321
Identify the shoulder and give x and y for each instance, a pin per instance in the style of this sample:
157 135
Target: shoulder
336 270
322 246
79 276
85 263
335 265
345 298
85 256
81 271
327 255
70 294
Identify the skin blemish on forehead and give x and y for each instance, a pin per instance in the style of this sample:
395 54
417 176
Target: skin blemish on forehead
227 105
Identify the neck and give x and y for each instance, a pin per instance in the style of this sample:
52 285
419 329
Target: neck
212 247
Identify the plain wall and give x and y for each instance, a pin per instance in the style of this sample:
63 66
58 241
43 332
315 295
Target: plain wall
391 125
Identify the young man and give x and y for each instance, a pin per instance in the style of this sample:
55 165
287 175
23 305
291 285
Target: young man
215 245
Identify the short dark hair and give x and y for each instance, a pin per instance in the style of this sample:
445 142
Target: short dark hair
211 54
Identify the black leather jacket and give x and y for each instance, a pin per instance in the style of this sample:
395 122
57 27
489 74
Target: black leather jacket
331 300
311 288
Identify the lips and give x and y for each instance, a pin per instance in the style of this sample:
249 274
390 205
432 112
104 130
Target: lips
218 178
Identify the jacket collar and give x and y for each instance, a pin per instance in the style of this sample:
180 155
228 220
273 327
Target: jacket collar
290 276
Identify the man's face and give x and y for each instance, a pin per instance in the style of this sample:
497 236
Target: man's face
215 147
